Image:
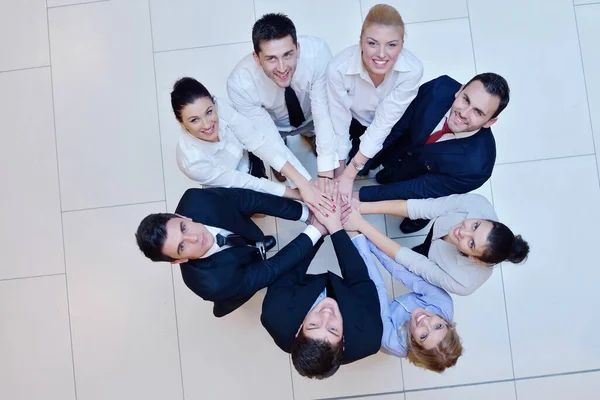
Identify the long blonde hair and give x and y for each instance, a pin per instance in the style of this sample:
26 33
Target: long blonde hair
383 14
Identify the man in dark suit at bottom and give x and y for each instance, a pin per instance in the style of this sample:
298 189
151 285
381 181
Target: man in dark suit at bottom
324 320
443 143
222 252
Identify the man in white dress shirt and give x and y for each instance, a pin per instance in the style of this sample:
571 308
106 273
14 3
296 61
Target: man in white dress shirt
282 88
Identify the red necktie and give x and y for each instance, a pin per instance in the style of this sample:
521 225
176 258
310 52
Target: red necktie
437 135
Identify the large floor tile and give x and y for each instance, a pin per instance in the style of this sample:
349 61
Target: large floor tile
319 23
494 391
181 24
375 374
122 308
35 341
539 56
104 92
23 34
170 67
228 358
395 396
30 209
480 321
581 386
589 31
60 3
434 44
554 205
424 10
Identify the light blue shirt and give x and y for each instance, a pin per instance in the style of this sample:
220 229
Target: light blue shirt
394 315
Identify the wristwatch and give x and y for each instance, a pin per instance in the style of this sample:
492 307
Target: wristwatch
359 166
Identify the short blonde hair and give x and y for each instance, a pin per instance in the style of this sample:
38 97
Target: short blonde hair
383 14
444 355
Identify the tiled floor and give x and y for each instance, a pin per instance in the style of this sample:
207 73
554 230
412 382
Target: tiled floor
87 150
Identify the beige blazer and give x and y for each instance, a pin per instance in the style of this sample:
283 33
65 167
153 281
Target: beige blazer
446 267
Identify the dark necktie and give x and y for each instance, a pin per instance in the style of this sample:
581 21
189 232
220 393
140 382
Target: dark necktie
330 292
293 105
424 247
437 135
233 240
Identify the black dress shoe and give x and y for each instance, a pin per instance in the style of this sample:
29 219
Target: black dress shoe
269 242
413 225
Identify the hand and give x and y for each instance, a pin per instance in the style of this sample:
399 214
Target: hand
355 201
339 170
326 184
312 220
345 185
316 200
352 218
331 220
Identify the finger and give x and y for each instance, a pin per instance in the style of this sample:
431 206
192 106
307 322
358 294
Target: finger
345 219
326 202
323 211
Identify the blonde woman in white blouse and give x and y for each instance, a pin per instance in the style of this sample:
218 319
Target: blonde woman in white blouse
214 148
465 241
370 85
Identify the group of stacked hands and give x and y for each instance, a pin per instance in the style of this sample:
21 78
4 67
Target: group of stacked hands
359 110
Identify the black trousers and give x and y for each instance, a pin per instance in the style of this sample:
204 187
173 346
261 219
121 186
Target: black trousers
257 166
356 131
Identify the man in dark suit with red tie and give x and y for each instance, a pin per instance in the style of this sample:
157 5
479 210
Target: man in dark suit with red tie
443 143
222 252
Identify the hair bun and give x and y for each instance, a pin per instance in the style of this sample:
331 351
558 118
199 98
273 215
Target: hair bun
519 250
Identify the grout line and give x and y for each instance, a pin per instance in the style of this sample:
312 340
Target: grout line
545 159
360 9
587 97
24 69
201 47
254 9
291 377
516 393
471 33
75 4
165 195
115 206
31 277
437 20
60 202
586 4
587 371
512 360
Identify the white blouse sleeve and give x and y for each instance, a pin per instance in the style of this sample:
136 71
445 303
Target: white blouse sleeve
207 171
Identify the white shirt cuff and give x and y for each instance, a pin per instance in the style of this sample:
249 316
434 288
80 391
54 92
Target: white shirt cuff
305 213
327 163
277 162
313 233
367 148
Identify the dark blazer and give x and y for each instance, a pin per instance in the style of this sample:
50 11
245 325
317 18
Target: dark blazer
230 277
290 297
437 169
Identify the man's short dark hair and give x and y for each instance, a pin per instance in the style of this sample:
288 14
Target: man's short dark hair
495 85
151 236
271 27
316 358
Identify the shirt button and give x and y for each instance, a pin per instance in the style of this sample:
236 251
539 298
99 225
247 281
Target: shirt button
428 168
409 153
